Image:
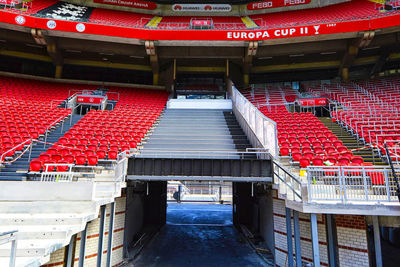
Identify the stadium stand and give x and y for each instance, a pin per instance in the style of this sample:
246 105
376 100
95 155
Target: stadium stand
102 135
349 11
32 108
301 136
369 110
119 18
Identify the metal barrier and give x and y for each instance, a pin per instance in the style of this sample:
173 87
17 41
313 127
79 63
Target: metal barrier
121 169
263 128
60 119
53 174
288 183
351 183
10 236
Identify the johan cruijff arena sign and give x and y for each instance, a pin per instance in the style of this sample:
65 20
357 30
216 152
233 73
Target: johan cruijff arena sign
129 3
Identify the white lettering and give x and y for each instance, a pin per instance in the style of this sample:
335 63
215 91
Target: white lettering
236 35
292 31
251 35
265 34
244 35
229 35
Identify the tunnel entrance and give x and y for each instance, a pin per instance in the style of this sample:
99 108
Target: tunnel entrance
210 224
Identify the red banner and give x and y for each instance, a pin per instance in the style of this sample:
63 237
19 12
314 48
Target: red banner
89 99
129 3
199 35
276 3
311 102
201 22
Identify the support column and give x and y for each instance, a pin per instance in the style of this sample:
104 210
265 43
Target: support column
101 236
345 74
289 237
297 244
331 237
82 249
110 233
69 252
377 241
58 72
314 240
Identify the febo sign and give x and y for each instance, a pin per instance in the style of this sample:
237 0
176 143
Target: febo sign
89 99
129 3
310 102
276 3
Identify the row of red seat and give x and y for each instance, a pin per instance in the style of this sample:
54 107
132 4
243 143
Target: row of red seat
101 135
370 109
301 136
27 109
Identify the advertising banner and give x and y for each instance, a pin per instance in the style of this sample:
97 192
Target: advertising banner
276 3
312 102
201 8
129 3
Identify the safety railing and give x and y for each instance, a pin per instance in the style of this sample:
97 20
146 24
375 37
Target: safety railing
27 141
57 172
60 119
55 100
263 128
6 237
66 172
121 170
229 154
288 183
351 183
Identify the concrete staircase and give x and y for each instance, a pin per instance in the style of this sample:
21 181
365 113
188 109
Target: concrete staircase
196 133
17 171
351 143
47 214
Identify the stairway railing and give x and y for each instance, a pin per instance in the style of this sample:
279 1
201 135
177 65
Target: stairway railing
15 148
263 128
291 184
10 236
51 125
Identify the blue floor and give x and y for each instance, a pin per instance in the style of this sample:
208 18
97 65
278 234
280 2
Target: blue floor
198 235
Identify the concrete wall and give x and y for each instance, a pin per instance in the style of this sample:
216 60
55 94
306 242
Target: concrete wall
146 211
57 258
351 237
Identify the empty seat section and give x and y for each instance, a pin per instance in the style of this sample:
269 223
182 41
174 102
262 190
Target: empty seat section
301 136
102 135
27 109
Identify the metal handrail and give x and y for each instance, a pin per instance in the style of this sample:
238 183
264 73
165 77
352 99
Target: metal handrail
14 148
10 236
48 127
51 102
288 179
72 113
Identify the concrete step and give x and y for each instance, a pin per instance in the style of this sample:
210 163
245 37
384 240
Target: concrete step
21 219
42 231
33 247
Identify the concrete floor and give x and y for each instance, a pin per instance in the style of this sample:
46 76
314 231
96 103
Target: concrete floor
198 235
